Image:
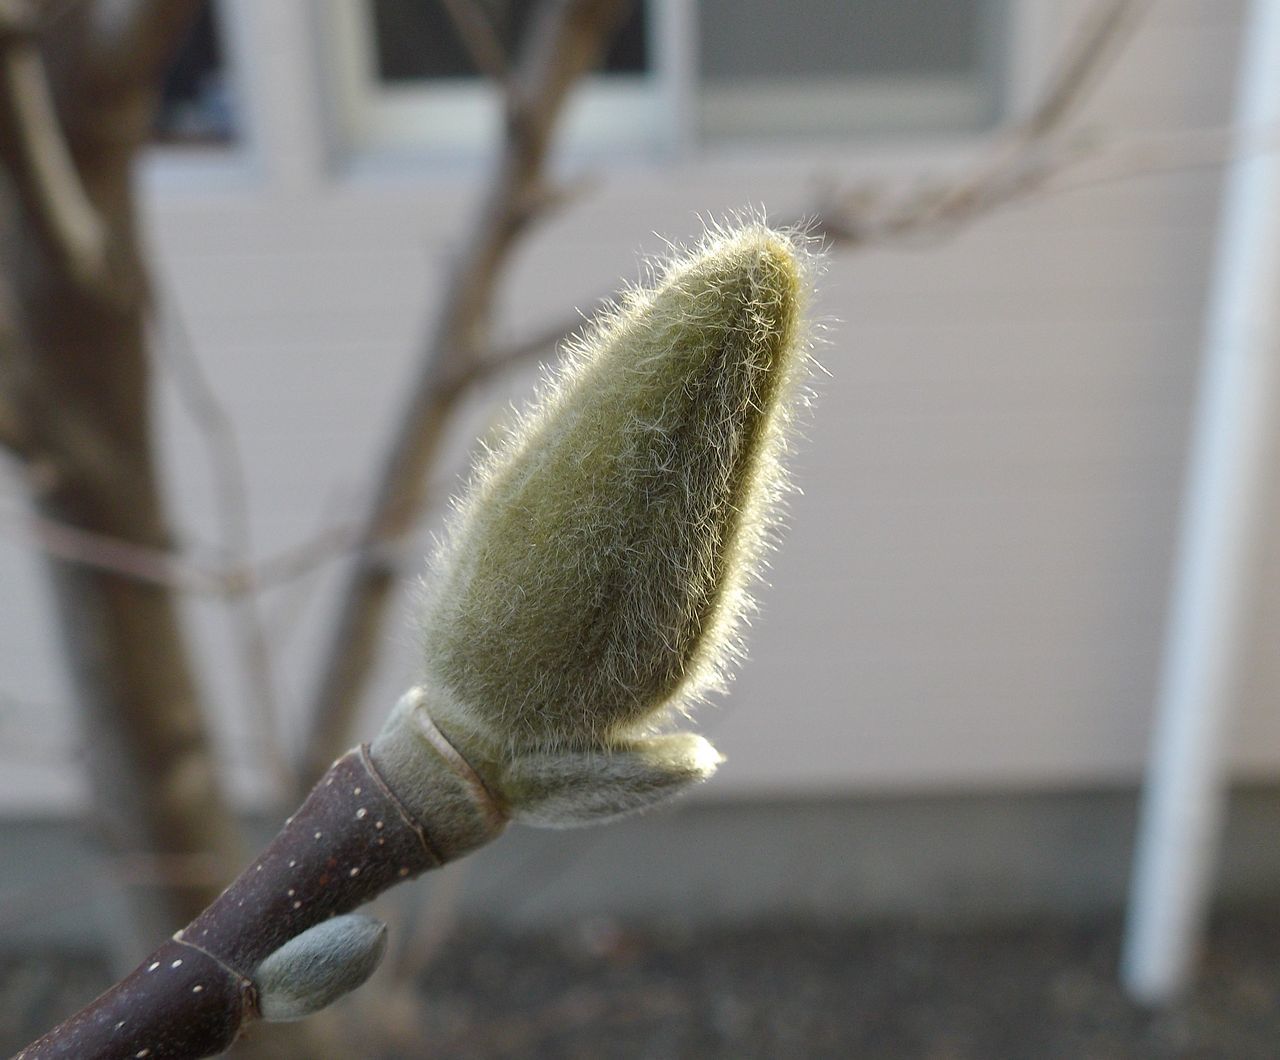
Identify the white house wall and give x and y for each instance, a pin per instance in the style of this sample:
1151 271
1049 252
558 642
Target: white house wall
972 590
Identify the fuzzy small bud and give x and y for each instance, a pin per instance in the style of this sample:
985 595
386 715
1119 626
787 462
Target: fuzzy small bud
315 968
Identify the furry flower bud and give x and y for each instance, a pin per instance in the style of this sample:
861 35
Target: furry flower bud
593 576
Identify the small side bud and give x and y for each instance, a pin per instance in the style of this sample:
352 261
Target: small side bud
316 968
576 788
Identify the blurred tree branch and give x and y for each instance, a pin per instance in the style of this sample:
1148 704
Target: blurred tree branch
114 555
14 433
234 577
1031 152
38 159
77 372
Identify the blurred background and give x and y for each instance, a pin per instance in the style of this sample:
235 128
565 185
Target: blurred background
922 838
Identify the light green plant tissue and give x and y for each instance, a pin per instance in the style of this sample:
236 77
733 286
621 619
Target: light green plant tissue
593 578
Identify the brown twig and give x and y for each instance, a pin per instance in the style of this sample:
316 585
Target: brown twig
532 347
112 554
1099 39
564 39
231 501
36 155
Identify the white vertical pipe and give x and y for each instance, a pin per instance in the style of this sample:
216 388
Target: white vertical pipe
1184 793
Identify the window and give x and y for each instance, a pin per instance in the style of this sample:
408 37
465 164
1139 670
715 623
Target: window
708 71
196 102
415 40
406 82
843 67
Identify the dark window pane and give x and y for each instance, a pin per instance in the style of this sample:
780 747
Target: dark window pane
195 102
415 39
846 67
866 38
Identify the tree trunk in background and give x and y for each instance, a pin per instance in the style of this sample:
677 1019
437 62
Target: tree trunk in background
81 376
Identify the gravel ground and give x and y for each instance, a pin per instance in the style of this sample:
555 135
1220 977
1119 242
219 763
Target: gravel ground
602 990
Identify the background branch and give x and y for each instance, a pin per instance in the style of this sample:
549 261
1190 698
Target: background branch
1033 151
231 501
1101 36
34 151
110 554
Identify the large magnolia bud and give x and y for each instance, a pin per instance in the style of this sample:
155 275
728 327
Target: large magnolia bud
592 578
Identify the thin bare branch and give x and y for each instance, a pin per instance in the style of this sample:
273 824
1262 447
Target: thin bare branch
1032 152
34 151
325 546
564 39
532 347
171 570
479 36
1100 38
1185 151
231 499
110 554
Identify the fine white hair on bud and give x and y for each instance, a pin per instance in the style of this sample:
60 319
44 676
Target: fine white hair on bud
592 579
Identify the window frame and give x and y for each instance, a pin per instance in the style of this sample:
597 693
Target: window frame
291 99
168 168
371 125
609 115
879 106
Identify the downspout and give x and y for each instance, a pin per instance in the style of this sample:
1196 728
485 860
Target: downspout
1185 789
